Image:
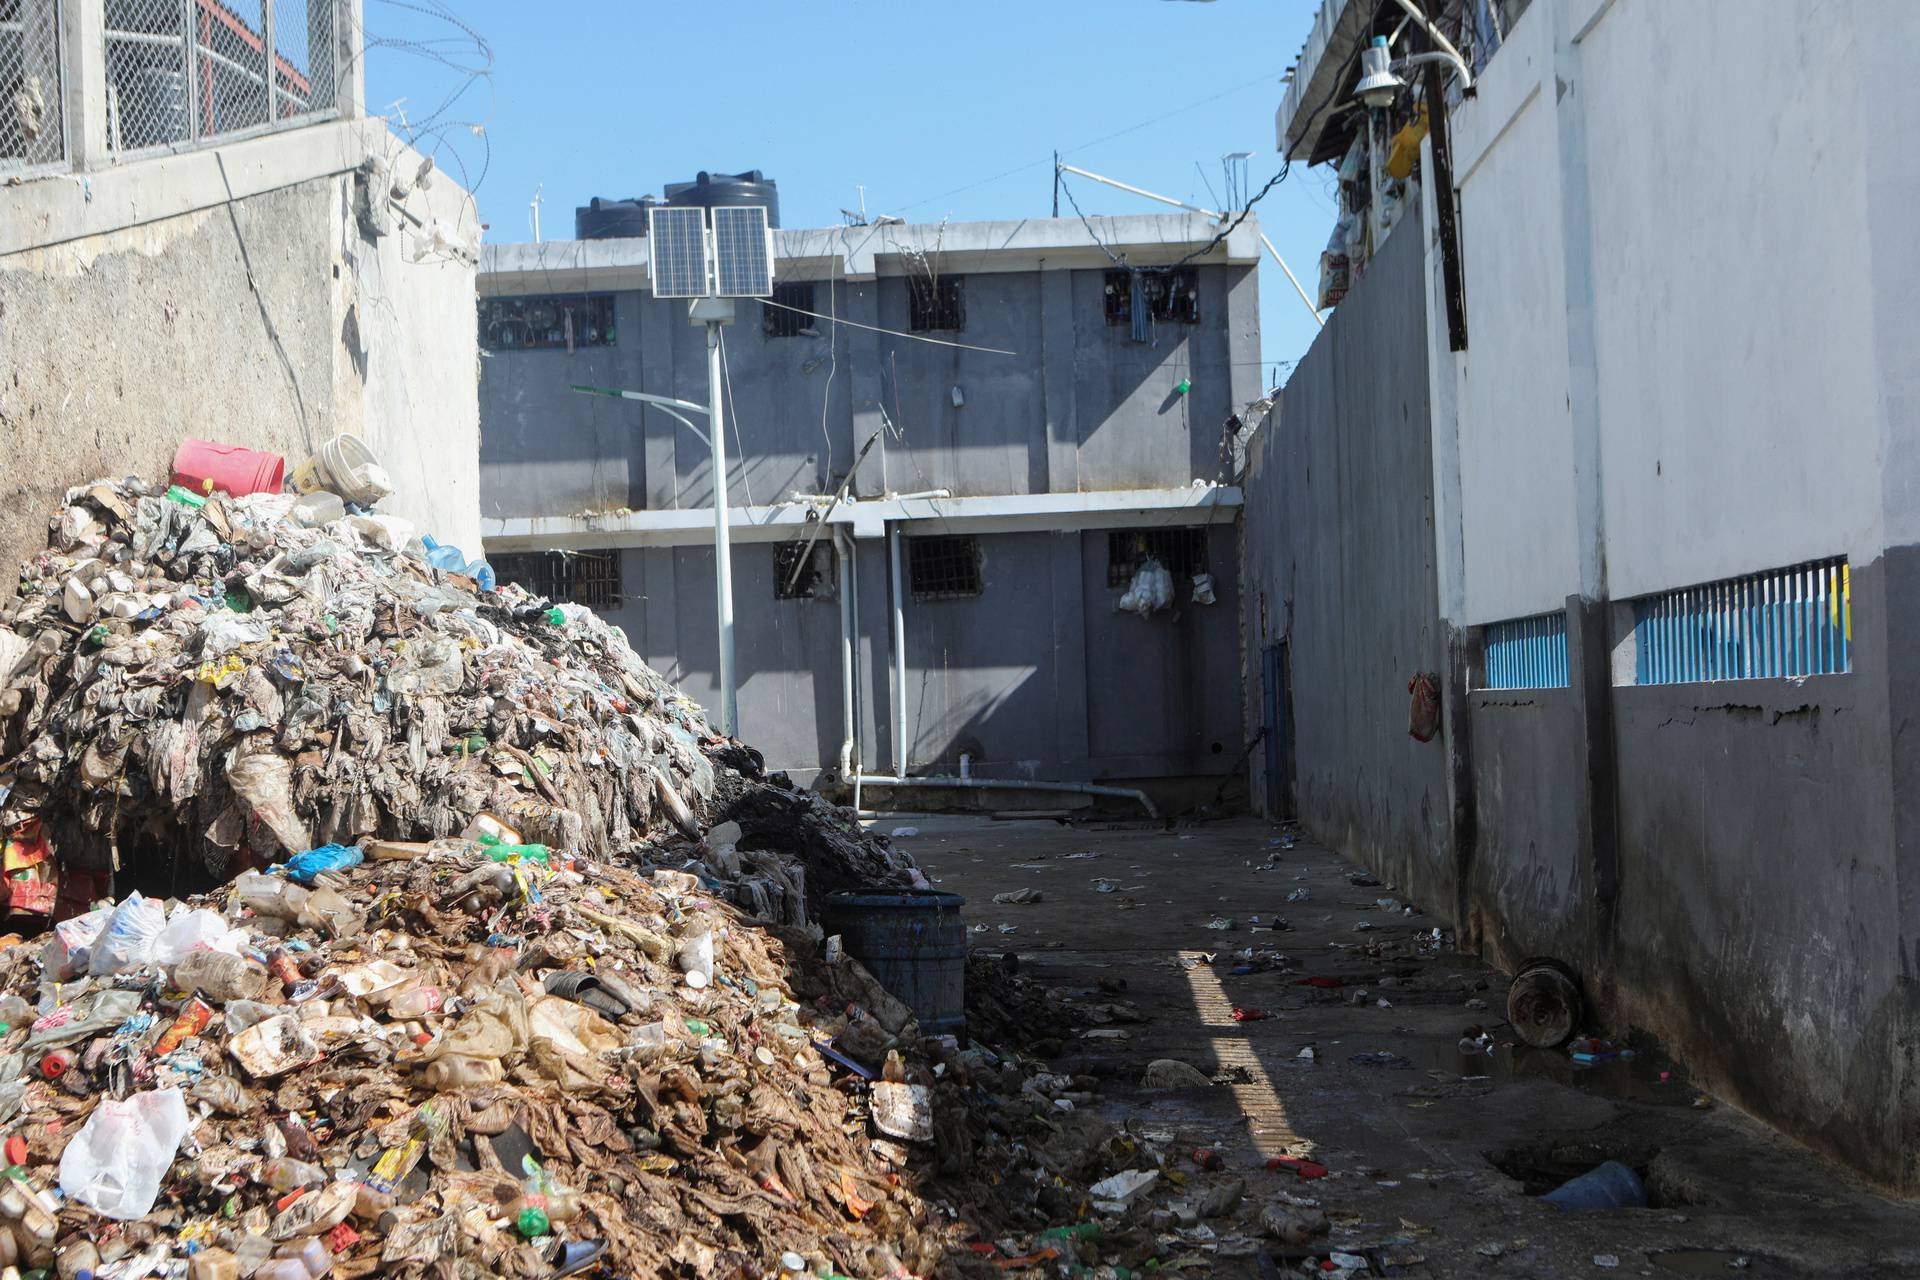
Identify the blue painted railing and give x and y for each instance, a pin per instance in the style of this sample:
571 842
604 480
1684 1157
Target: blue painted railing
1783 623
1527 653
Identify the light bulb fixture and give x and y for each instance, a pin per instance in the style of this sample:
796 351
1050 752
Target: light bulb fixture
1378 84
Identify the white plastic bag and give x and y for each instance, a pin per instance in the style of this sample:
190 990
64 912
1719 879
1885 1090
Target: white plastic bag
190 930
1151 588
65 955
265 782
115 1163
127 941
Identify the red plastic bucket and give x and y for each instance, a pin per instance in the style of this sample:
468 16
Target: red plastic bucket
203 466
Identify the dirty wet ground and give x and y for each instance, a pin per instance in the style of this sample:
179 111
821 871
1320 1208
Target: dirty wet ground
1433 1155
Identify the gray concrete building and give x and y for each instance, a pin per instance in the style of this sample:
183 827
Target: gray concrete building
1649 518
1025 415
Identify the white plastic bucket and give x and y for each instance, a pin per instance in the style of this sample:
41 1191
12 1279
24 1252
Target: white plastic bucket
344 465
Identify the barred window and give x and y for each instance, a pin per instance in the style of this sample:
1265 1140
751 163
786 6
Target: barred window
945 567
1169 297
814 581
778 321
1183 552
547 322
591 578
935 303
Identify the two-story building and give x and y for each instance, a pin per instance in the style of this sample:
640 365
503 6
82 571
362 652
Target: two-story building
1021 414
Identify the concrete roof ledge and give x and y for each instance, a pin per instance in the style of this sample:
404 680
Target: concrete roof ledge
1197 504
1028 244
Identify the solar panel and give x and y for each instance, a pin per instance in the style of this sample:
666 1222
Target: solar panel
677 249
743 251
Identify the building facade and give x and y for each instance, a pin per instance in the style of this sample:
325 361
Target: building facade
1028 409
1649 517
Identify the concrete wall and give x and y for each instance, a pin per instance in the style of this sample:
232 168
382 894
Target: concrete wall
1688 359
1077 405
1338 533
1681 370
1037 677
268 320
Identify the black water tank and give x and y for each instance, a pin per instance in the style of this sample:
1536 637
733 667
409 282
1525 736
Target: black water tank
604 219
710 189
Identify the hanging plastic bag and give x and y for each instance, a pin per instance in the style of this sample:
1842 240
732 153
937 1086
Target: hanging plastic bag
1151 588
115 1163
1203 588
128 940
265 782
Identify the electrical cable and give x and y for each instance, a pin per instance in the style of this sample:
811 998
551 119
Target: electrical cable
874 328
1227 228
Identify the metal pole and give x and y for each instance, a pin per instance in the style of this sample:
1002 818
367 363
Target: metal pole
899 655
722 554
845 565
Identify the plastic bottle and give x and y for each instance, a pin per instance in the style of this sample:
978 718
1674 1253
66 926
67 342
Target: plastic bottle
416 1003
271 896
241 1014
313 1256
80 1259
213 1264
458 1072
283 1269
284 1173
318 508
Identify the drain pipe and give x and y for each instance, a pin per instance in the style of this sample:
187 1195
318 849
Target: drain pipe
1015 784
900 765
841 559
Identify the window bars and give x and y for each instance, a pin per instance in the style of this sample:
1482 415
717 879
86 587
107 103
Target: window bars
1783 623
32 125
1526 653
181 71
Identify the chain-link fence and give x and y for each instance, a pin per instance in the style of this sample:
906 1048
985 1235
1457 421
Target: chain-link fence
32 129
303 38
181 70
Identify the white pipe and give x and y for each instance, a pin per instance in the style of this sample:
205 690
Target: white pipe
924 493
1217 217
1294 281
966 766
722 553
1141 191
853 596
1014 784
900 763
846 654
1440 42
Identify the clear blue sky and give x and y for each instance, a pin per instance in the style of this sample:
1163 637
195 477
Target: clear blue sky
928 106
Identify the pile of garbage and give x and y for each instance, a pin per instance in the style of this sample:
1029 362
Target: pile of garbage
191 685
373 918
480 1049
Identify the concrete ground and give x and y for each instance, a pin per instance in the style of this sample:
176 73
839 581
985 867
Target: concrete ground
1433 1154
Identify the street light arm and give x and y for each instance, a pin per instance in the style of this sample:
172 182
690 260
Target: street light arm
1440 42
666 404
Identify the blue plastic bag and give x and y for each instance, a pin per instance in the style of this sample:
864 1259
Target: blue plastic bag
303 867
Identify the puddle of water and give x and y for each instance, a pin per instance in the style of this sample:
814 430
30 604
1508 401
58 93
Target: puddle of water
1711 1262
1650 1076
